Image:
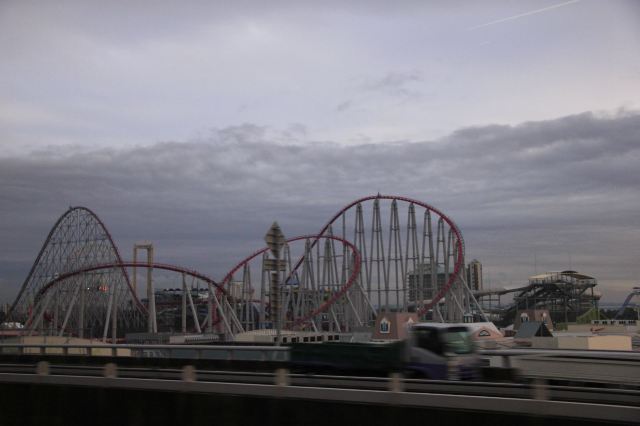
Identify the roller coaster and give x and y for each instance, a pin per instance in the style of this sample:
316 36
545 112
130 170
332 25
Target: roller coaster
565 294
338 279
634 292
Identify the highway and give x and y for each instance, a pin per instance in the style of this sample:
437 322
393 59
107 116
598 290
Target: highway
533 400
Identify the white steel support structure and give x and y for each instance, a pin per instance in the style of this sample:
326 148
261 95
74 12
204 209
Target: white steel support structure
380 253
152 324
411 260
81 305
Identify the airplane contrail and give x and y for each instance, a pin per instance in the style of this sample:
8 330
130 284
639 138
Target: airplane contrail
522 15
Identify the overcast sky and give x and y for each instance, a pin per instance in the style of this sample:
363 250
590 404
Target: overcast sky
519 119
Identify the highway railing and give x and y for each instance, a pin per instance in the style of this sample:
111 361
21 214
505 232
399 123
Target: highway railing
574 353
611 368
258 353
619 406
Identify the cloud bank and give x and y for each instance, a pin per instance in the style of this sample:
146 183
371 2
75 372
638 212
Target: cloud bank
565 192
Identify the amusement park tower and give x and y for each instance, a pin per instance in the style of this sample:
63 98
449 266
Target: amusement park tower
474 275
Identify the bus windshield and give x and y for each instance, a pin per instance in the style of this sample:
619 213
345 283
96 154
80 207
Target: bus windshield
458 340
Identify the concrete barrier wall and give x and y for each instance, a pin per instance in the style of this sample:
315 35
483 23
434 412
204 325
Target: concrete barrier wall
590 370
609 342
59 340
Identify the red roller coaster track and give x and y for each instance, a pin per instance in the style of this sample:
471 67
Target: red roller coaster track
162 266
458 254
351 280
459 265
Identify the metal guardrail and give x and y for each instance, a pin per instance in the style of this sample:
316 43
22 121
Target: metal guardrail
611 368
513 398
258 353
506 355
478 388
575 353
392 391
4 347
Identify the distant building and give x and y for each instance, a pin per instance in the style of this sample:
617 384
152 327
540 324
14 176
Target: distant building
287 336
393 325
533 315
474 275
529 329
421 284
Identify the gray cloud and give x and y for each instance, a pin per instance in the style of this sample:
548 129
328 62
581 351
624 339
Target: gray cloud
397 83
343 106
395 80
104 74
566 189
